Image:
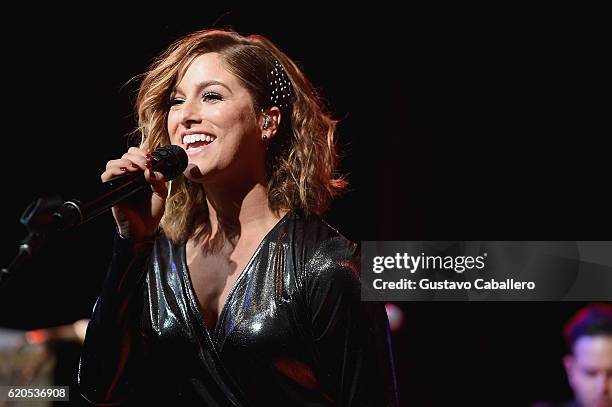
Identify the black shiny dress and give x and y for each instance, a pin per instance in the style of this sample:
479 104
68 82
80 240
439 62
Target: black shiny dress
293 330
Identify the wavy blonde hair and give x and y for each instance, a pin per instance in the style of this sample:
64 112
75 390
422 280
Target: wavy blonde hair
301 158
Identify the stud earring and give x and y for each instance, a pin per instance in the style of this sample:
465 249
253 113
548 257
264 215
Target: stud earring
264 137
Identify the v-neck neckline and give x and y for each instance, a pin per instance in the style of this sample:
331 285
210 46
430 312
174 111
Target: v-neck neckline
192 292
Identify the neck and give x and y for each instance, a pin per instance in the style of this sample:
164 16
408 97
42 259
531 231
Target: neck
242 210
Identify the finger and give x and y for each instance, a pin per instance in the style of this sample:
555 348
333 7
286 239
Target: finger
158 182
138 155
114 170
118 167
137 161
137 151
123 162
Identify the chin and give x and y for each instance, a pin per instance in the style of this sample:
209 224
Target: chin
194 173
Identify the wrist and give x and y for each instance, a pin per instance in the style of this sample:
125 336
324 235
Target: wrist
135 240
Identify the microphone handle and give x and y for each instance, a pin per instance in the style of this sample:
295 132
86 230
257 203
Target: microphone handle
169 160
75 212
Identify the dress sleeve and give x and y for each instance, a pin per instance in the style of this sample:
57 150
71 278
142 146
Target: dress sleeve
351 337
112 344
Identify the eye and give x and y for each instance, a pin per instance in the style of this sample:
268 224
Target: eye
175 101
212 96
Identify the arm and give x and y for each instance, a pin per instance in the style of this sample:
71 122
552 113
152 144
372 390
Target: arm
112 345
114 342
352 338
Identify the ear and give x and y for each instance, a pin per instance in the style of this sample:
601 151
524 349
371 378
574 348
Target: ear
269 122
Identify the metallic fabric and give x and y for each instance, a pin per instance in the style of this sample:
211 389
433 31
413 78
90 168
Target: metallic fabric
293 330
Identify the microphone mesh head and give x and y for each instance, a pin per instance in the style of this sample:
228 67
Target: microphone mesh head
169 160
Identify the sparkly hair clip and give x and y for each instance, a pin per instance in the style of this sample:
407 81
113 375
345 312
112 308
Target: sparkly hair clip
282 91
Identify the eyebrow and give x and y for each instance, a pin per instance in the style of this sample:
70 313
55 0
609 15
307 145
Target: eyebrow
205 84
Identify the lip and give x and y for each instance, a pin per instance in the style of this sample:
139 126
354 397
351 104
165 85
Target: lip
195 151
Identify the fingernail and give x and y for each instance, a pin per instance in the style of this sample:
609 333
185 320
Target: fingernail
135 165
123 169
149 156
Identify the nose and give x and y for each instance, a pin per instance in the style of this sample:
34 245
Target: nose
190 113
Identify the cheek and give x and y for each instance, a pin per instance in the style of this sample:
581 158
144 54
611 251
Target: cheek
171 126
225 118
585 383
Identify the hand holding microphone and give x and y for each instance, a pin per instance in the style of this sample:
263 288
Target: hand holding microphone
138 220
136 170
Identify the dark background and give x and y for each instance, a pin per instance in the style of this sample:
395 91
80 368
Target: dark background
471 124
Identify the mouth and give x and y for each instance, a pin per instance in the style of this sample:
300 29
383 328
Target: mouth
196 142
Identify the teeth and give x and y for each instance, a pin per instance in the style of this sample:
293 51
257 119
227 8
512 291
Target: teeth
192 138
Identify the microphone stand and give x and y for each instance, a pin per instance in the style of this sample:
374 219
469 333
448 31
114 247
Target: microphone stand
50 214
39 220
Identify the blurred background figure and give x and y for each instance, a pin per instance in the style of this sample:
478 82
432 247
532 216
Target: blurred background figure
588 365
74 332
41 358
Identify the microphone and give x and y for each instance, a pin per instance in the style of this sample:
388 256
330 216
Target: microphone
169 160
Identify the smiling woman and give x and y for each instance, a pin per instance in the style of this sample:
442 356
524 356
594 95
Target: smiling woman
226 286
220 112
